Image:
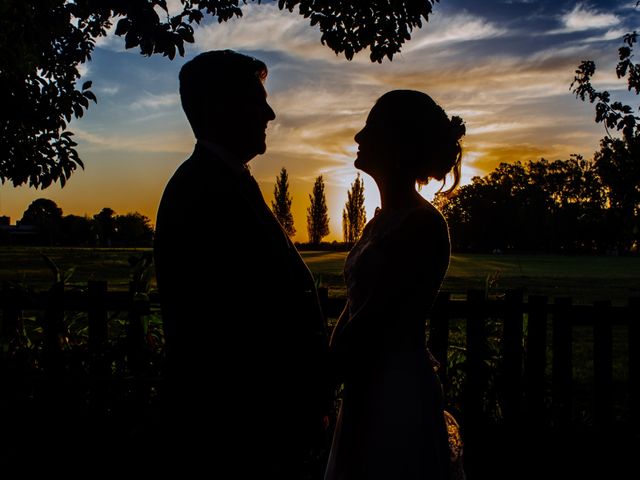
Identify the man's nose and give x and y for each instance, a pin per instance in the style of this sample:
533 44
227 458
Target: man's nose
270 114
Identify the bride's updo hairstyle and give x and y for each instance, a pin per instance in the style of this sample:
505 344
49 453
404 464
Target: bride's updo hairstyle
429 140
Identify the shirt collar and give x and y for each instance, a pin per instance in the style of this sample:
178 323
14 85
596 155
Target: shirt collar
225 155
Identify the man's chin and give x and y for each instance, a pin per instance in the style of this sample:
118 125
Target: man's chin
260 149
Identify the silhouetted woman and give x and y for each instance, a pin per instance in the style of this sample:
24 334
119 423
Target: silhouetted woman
391 423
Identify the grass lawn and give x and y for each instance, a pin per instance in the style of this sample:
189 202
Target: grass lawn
585 278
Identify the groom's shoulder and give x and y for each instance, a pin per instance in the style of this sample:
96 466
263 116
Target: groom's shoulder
198 172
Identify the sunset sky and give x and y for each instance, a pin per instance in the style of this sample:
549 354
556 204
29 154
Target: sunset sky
505 66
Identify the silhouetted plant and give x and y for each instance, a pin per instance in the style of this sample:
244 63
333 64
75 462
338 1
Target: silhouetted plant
133 228
317 217
613 114
281 204
105 225
538 206
354 216
617 161
46 216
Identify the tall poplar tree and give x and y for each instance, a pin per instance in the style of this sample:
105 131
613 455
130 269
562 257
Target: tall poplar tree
281 204
317 217
354 216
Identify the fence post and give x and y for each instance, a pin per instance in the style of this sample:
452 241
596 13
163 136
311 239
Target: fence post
9 376
536 359
602 364
474 382
439 334
512 356
135 332
97 311
10 318
474 368
98 336
561 381
634 362
53 327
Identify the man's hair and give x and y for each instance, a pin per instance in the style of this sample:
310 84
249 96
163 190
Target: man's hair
214 76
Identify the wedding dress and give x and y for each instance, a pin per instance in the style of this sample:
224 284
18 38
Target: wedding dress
391 423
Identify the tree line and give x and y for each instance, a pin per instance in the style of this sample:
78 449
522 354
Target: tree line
46 225
564 206
353 215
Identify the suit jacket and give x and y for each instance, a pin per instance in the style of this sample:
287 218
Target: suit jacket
245 338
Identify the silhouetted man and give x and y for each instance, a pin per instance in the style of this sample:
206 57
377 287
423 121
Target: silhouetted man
245 338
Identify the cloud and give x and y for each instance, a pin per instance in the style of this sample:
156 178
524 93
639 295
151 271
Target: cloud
583 17
287 32
108 89
612 34
111 41
449 29
151 101
291 34
162 142
83 70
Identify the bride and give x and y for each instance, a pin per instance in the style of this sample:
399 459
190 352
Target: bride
391 423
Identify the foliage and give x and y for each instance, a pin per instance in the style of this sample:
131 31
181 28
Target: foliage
539 206
133 229
46 216
104 228
43 43
613 114
618 166
281 205
317 217
41 212
617 161
354 215
129 229
105 225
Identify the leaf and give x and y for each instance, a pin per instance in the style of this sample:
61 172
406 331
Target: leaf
52 266
67 275
123 26
131 39
86 85
90 96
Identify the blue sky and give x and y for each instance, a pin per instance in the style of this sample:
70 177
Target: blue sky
504 66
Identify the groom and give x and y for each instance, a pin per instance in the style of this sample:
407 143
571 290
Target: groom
245 338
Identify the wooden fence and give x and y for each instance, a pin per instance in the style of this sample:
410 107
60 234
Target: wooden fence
535 345
516 353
